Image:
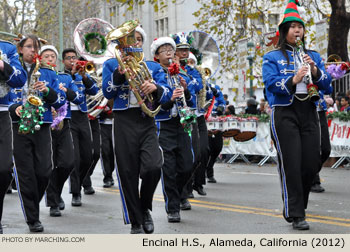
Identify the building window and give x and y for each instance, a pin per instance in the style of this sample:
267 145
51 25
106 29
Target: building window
162 27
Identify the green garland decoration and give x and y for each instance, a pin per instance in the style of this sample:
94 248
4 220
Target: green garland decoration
31 118
187 119
100 38
261 117
342 116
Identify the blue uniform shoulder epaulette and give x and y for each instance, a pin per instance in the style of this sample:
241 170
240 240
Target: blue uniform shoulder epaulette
1 40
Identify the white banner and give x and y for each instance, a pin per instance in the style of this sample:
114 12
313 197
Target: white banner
322 38
339 133
261 144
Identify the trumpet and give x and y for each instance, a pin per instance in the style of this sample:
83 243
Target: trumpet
88 66
311 88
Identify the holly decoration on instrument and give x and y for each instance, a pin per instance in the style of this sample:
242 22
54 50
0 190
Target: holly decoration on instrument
187 117
31 118
33 110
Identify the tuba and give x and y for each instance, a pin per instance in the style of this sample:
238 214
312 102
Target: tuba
130 60
90 42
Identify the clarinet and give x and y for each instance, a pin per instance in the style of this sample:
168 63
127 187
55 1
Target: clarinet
187 117
311 88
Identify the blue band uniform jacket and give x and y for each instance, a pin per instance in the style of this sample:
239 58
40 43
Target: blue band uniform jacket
278 75
89 88
55 98
73 93
13 75
171 109
120 90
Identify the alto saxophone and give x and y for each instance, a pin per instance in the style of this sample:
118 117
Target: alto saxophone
311 88
32 111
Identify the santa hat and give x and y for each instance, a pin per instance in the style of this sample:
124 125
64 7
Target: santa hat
191 56
158 42
49 47
142 32
291 13
183 40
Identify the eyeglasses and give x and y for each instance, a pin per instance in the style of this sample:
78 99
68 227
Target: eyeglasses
167 51
70 58
29 46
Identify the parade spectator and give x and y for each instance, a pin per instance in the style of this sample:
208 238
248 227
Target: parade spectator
251 107
226 99
261 109
344 102
330 104
230 110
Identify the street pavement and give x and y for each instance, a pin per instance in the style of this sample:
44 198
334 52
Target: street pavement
245 200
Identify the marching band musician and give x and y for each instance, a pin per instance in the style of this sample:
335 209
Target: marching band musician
136 144
80 127
32 151
96 147
174 141
12 75
182 41
294 120
325 140
107 154
206 94
215 140
62 142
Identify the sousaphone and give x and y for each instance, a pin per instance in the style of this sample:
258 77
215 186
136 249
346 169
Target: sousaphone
90 42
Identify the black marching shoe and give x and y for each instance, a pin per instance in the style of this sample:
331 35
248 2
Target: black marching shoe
55 212
185 204
190 195
211 180
36 227
299 223
136 229
147 224
107 184
317 188
174 217
89 190
200 190
61 205
1 231
76 200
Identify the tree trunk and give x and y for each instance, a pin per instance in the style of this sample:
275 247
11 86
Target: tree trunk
339 26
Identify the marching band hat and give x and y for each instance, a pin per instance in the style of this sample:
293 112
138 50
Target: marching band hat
49 47
291 14
158 42
183 40
142 32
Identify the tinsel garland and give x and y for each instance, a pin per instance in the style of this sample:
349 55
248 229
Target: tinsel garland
31 118
336 71
61 114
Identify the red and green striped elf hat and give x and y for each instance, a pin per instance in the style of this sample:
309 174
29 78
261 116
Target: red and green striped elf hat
291 13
